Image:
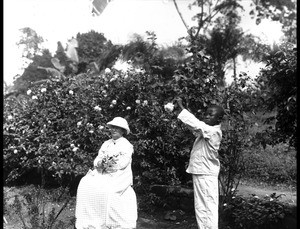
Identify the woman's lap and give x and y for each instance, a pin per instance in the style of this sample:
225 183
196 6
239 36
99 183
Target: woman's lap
96 201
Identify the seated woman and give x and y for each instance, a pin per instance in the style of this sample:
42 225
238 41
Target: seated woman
105 198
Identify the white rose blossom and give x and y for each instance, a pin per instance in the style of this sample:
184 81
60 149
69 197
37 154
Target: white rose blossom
128 108
71 92
29 92
145 103
138 101
34 97
10 117
107 70
75 149
43 90
97 108
15 151
114 102
79 123
101 127
169 107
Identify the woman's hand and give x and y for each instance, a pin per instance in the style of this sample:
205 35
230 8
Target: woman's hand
98 166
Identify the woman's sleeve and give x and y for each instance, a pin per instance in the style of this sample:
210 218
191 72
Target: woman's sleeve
198 127
100 155
124 159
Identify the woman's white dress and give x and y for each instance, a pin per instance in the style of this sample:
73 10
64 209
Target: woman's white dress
106 199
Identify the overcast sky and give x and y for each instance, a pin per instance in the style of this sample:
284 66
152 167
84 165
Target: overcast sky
59 20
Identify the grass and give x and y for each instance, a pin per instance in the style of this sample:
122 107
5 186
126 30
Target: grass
273 165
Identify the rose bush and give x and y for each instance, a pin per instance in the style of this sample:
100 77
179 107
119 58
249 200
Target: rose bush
59 131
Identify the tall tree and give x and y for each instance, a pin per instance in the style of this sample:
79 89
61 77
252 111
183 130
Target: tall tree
33 72
146 54
283 11
209 10
224 45
30 41
93 47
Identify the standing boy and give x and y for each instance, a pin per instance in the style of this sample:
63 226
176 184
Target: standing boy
204 164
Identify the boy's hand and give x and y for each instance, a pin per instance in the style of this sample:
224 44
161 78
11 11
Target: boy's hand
179 101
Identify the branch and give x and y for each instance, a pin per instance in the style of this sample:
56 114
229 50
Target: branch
208 18
201 22
176 6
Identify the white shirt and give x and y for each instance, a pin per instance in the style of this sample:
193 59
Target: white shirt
121 171
204 155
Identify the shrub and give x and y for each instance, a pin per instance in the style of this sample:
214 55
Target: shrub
35 208
254 212
274 164
57 128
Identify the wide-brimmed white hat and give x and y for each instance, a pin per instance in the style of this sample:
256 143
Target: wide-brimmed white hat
120 122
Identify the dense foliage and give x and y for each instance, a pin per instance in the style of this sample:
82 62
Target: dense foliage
33 72
58 126
254 212
94 47
277 83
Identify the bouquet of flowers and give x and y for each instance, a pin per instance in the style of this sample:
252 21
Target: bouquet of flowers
107 163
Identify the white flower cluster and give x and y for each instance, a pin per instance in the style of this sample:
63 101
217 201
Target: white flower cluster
145 102
100 127
97 108
169 107
74 148
90 127
107 70
113 103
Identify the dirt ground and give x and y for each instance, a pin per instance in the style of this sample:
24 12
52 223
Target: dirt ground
157 219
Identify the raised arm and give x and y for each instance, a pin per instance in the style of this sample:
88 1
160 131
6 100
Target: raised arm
194 124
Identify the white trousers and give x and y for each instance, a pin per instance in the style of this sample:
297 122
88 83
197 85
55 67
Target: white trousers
206 198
